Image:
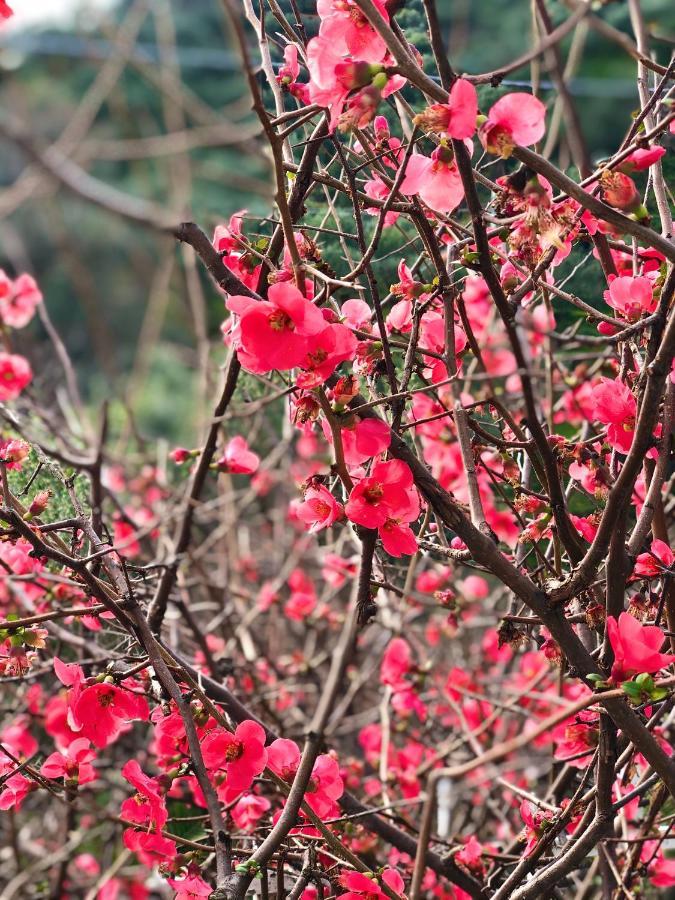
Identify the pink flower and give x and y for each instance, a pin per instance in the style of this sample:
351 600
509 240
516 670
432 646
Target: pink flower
614 404
397 539
5 10
636 647
364 440
231 245
535 822
147 807
631 297
653 564
242 755
237 458
407 286
74 764
357 314
327 350
192 887
641 159
151 848
396 663
619 191
361 887
516 119
319 509
400 317
273 333
360 107
457 117
325 786
333 77
471 855
336 570
18 300
15 374
662 872
104 709
300 605
13 452
16 789
576 740
179 455
87 863
436 180
387 493
248 810
349 31
287 76
101 710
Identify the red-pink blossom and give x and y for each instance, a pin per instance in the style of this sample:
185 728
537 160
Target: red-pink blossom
248 810
319 509
73 764
179 455
397 539
654 563
515 120
5 10
333 76
241 755
151 848
99 711
387 493
15 789
362 887
619 191
614 404
457 117
147 807
13 451
396 664
536 822
641 159
357 314
325 786
300 605
575 741
18 299
631 297
15 374
237 458
192 887
103 710
275 333
330 347
287 76
436 179
662 872
636 647
349 31
363 440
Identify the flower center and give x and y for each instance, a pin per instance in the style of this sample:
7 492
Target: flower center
280 321
373 494
234 751
107 699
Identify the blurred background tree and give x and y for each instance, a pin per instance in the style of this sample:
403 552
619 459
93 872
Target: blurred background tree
147 97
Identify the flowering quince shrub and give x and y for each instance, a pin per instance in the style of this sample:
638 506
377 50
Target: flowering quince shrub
401 621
